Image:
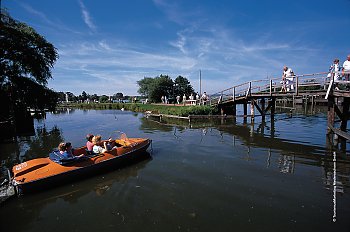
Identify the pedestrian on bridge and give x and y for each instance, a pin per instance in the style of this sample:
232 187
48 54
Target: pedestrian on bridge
289 76
346 68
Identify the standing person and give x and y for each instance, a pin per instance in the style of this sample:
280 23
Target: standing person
334 70
162 99
346 68
283 82
178 99
289 75
165 100
197 98
184 99
89 144
204 98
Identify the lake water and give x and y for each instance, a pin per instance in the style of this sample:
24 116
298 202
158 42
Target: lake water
213 175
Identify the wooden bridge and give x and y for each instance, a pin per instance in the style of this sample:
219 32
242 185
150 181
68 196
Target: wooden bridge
261 96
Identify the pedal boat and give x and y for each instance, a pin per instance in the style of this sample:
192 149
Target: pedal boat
42 173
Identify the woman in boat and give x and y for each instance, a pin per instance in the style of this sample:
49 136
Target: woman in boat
66 150
66 153
96 140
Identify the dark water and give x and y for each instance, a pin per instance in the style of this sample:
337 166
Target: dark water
207 176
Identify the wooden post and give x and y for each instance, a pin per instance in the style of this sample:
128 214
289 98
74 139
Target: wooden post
245 112
252 114
234 93
330 113
263 109
250 88
270 87
344 118
273 108
234 112
297 85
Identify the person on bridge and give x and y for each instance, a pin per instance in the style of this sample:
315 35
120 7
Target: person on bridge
334 71
204 98
289 76
346 68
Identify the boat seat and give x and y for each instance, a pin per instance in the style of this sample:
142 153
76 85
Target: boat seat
90 153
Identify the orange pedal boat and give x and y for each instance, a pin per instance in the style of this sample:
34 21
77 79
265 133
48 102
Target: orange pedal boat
42 173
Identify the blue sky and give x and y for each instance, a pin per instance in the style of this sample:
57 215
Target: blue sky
106 46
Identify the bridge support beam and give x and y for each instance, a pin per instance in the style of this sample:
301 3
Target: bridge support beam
245 112
340 135
252 112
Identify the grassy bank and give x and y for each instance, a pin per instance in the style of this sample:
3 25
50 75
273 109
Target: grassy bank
183 111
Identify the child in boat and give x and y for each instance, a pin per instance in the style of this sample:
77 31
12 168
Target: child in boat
96 140
89 143
107 146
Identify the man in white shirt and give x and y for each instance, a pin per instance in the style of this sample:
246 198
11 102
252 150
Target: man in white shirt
346 68
288 75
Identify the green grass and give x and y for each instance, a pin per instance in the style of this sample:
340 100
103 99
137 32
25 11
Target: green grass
182 111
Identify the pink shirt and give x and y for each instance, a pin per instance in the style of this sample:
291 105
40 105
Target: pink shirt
89 145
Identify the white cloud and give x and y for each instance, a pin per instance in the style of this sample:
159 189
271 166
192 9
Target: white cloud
86 16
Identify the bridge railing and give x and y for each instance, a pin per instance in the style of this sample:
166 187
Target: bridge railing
272 87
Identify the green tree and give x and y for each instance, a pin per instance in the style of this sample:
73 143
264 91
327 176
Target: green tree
104 98
26 59
155 88
119 96
145 86
182 86
84 96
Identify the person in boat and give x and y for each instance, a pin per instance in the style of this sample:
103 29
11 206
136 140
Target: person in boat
109 145
66 150
96 140
89 143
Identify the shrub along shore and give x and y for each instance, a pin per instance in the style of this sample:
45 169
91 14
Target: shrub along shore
168 109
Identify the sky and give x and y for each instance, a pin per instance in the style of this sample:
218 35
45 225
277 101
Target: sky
106 46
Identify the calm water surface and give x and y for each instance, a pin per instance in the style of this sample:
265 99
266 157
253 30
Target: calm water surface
208 176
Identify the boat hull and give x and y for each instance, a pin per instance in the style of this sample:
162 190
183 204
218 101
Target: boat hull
69 173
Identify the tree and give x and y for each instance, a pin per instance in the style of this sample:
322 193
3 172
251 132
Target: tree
155 88
119 96
104 99
26 59
84 96
145 86
182 86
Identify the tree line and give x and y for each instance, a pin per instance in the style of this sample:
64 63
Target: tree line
163 85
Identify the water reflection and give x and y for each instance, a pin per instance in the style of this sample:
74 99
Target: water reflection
205 175
31 207
289 153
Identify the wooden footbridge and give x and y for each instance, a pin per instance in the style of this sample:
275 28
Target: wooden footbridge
261 96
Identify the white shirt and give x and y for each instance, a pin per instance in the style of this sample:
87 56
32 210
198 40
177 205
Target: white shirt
288 74
346 66
97 149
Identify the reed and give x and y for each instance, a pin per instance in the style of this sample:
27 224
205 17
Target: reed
183 111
